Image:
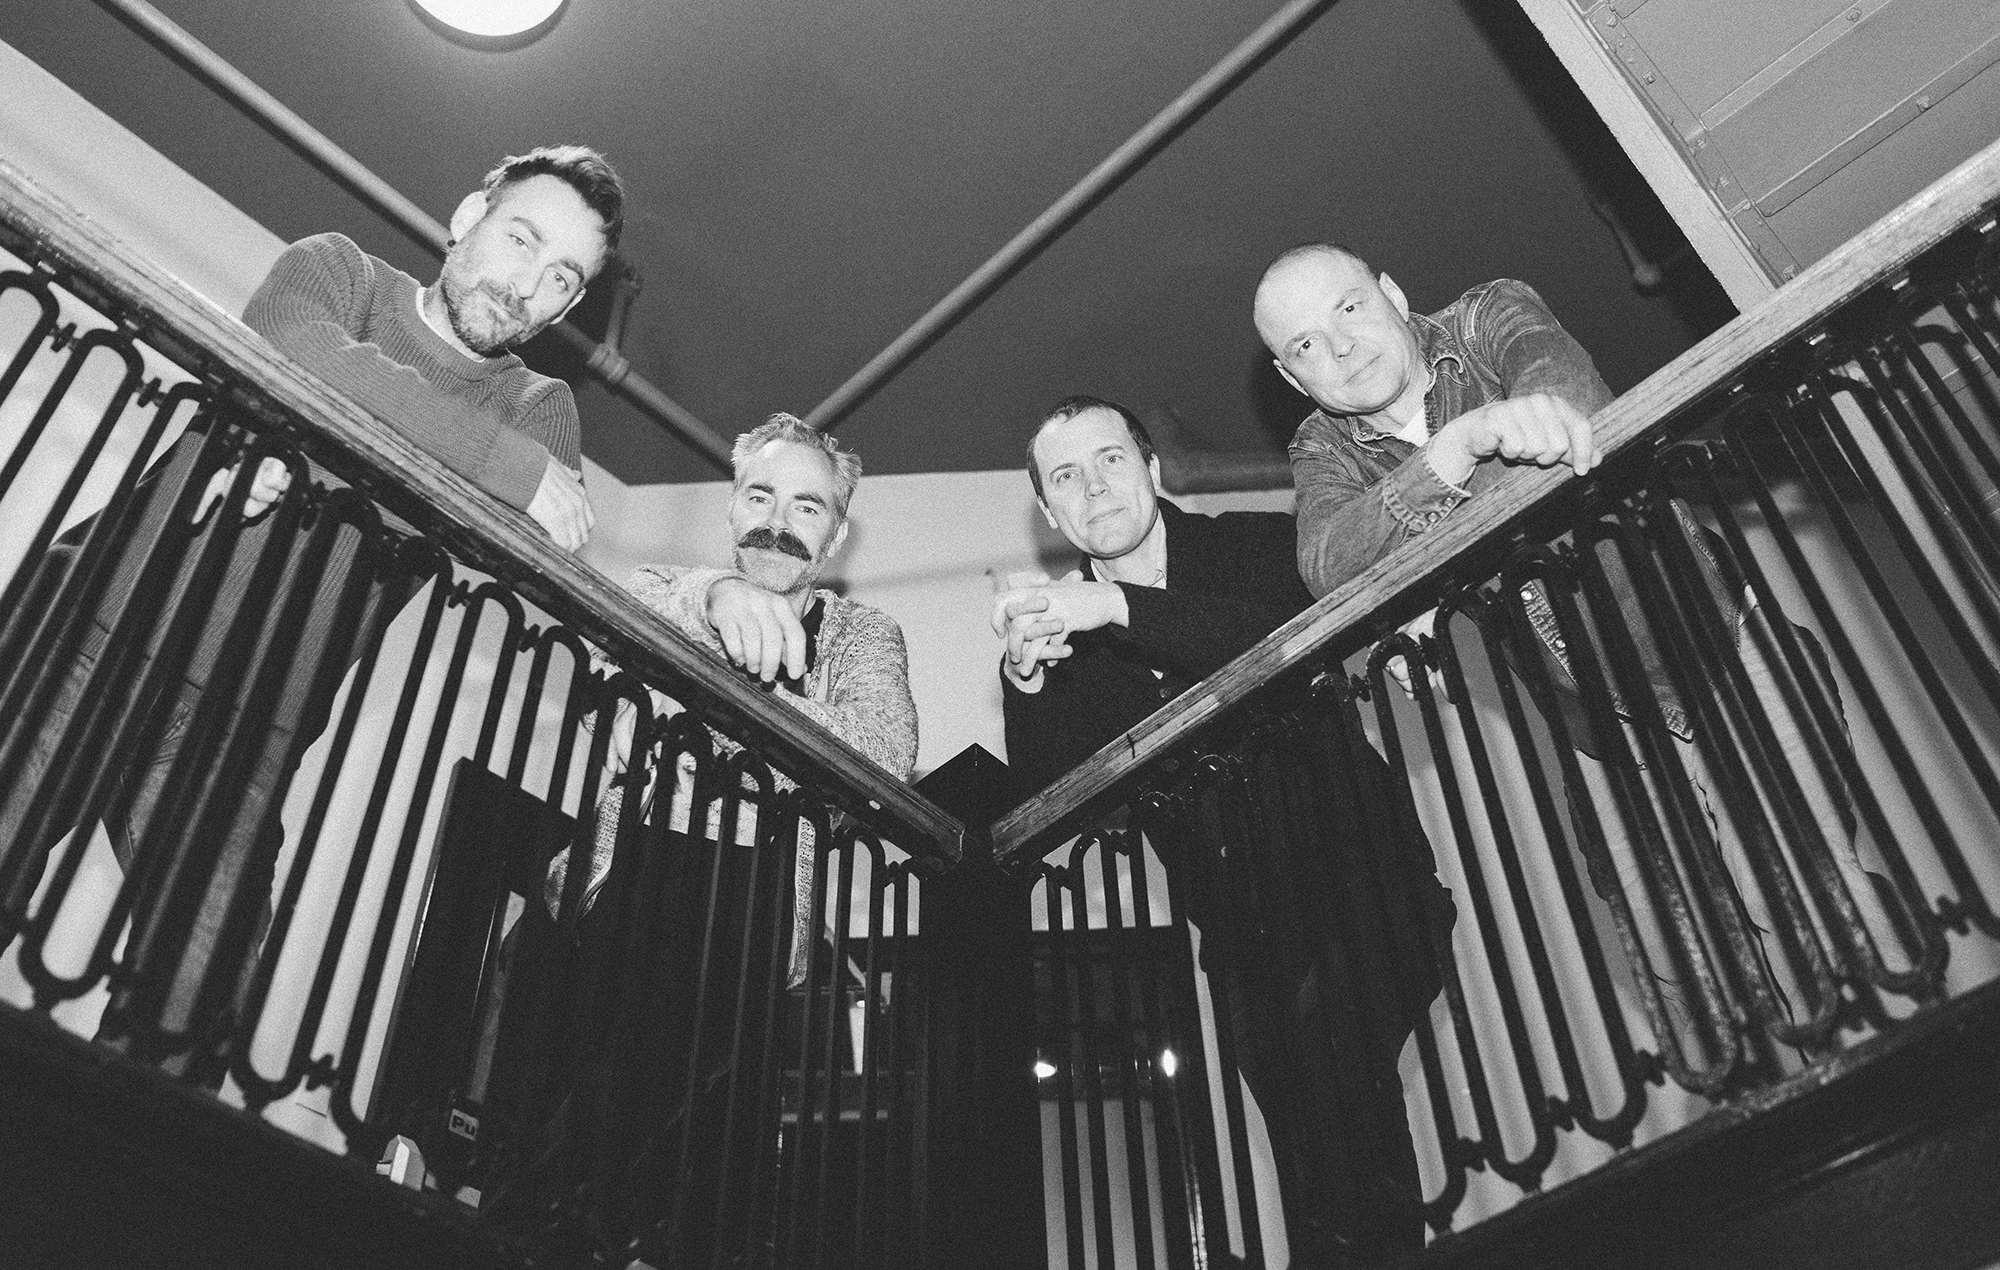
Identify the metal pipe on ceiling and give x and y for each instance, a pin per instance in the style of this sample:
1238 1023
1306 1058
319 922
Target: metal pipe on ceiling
604 362
1178 116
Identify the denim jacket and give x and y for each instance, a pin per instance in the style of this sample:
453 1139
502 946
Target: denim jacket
1362 494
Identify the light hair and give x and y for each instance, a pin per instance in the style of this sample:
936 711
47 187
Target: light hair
845 464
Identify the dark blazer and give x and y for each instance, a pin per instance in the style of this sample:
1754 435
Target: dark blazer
1231 580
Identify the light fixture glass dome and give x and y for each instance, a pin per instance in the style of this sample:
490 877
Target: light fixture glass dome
491 19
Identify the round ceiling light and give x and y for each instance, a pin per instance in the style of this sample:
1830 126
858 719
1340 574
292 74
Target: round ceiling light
492 19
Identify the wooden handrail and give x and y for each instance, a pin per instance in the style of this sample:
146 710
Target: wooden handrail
440 503
1870 256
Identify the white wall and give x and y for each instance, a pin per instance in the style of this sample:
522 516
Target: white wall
90 161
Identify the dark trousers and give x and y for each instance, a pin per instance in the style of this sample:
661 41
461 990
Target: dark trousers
1325 925
198 891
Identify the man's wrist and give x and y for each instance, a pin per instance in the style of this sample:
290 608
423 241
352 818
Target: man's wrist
1118 609
1451 460
1030 685
709 594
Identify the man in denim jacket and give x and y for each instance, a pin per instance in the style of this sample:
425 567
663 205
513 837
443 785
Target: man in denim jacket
1418 414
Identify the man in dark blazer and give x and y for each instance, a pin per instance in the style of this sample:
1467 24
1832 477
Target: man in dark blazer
1095 652
1320 977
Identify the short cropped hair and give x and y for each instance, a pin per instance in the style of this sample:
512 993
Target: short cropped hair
583 169
1069 408
1304 250
846 464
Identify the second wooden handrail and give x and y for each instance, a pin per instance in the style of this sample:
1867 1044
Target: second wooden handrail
1872 255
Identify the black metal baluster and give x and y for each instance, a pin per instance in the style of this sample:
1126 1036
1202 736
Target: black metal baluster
1063 1021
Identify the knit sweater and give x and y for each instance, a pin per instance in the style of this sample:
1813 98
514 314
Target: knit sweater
354 321
858 687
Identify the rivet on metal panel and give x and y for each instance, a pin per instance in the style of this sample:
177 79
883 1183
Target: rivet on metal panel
1924 102
1649 77
1854 15
1611 17
1791 271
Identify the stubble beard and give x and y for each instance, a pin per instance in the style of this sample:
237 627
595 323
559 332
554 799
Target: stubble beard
766 569
463 310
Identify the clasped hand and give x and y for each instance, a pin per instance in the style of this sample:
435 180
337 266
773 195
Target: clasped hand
1036 617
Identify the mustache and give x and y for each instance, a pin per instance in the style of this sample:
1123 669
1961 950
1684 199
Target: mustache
776 540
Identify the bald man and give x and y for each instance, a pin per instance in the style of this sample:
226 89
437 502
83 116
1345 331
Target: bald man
1418 414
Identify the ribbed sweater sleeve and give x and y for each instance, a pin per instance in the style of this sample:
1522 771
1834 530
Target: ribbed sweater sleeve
315 298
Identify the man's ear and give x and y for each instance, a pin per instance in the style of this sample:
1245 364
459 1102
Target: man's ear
1153 467
471 210
1048 515
1289 378
578 299
839 536
1395 294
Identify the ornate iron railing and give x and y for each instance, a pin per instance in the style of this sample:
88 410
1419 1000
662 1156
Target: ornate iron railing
341 751
1254 1022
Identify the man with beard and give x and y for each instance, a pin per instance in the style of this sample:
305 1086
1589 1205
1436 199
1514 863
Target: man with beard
432 363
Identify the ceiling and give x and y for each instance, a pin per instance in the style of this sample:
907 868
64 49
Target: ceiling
806 179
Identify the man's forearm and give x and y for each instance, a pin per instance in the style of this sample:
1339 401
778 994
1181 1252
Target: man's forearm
299 307
1344 528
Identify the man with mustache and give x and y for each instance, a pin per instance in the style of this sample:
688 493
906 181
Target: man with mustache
432 362
836 661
